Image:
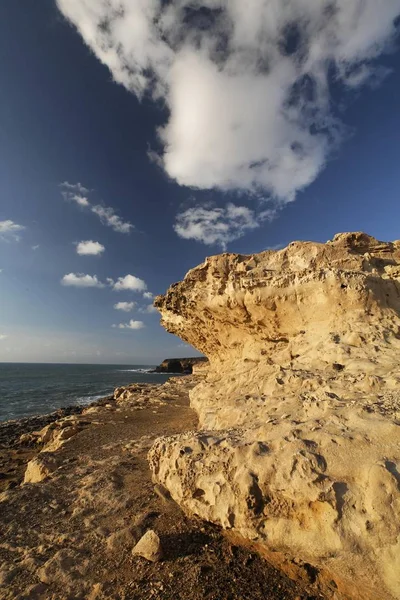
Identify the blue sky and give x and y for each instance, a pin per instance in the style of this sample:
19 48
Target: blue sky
199 148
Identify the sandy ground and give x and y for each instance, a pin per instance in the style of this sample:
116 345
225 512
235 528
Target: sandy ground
71 535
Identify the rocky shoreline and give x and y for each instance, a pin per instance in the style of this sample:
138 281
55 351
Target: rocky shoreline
18 445
288 448
82 496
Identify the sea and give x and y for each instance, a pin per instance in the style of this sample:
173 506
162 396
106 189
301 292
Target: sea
37 389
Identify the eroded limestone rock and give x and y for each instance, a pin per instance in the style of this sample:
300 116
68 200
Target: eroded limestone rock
299 446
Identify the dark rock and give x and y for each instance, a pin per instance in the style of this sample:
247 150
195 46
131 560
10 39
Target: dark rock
179 365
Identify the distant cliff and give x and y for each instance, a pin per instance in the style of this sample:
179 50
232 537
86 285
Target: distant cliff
179 365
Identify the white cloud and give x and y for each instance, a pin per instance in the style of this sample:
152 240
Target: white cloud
108 217
3 336
131 325
81 200
149 309
74 187
148 296
76 192
125 306
246 85
215 225
10 230
90 248
36 247
81 280
130 282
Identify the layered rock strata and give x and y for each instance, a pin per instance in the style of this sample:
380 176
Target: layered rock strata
299 441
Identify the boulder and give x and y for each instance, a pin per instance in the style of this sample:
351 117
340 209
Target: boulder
298 447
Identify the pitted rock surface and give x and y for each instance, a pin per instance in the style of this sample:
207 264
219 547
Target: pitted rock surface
299 441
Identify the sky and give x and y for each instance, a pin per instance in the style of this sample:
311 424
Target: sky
138 137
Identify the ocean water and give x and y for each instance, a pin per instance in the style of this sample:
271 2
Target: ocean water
35 389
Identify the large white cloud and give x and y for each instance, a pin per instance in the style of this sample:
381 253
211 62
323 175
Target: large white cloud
246 84
10 230
81 280
89 248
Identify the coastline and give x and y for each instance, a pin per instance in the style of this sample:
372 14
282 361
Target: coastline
88 497
15 455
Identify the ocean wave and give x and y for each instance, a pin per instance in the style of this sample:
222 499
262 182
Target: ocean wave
83 400
135 370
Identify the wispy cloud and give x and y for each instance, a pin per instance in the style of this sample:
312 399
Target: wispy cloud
148 296
125 306
108 217
3 336
246 85
81 280
76 188
215 225
149 309
130 282
76 192
10 230
36 247
274 247
131 325
89 248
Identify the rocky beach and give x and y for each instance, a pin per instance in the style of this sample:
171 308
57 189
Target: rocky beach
77 496
271 472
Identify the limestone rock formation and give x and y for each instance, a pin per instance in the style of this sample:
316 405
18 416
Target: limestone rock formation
299 441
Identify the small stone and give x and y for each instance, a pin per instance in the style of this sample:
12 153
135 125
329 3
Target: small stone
149 547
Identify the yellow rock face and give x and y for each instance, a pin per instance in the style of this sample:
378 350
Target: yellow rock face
299 442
